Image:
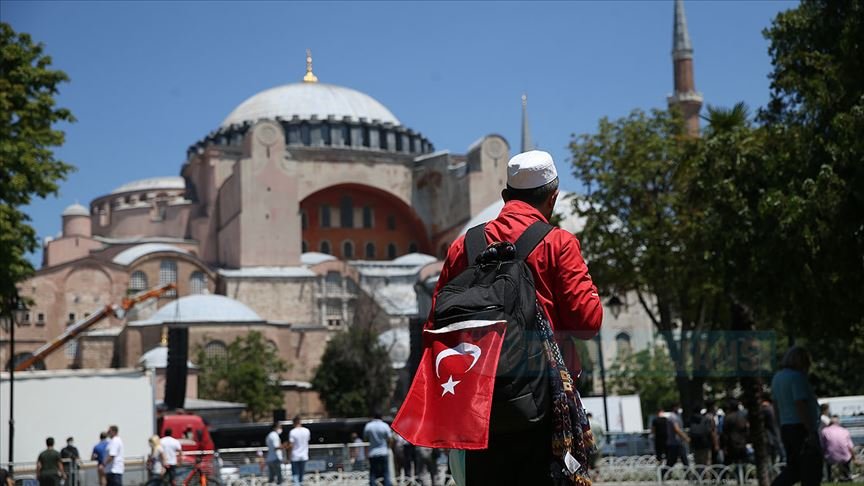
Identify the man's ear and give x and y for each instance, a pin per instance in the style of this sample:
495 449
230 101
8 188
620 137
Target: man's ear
550 203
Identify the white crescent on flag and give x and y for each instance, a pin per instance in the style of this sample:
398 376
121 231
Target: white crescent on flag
460 349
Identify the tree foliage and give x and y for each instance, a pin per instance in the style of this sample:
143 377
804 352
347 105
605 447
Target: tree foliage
647 373
28 167
355 374
249 372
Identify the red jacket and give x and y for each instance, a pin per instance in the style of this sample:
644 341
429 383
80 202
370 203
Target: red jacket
564 287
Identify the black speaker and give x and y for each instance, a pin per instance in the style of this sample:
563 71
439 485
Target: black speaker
175 374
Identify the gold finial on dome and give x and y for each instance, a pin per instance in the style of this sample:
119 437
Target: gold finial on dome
309 77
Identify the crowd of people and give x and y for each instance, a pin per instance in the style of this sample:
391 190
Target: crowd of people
798 432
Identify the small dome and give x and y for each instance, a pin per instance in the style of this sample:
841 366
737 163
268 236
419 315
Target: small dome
153 183
76 210
129 255
202 308
307 99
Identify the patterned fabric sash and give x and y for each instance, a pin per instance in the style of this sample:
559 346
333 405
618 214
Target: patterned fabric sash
572 440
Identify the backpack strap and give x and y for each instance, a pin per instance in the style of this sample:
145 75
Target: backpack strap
530 238
475 242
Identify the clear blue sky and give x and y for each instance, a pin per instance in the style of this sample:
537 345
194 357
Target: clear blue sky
148 79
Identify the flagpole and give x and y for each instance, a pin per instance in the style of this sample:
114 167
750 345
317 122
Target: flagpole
603 379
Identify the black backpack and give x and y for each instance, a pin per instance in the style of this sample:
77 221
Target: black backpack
498 284
700 431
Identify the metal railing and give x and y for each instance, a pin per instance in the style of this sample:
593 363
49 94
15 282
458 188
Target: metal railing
346 465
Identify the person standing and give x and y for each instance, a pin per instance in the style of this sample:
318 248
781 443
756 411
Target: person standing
565 294
798 413
676 438
155 463
736 430
838 447
298 442
6 478
70 456
274 454
379 436
173 451
99 454
702 437
49 466
114 465
659 426
772 435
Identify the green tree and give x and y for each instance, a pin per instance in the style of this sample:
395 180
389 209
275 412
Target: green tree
355 374
249 372
648 373
637 232
28 167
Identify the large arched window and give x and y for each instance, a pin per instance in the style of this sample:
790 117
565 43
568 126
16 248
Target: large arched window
622 344
304 247
215 350
325 247
412 247
197 283
391 251
137 281
168 274
333 282
370 250
347 249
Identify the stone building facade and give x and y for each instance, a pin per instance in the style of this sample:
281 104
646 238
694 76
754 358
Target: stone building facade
307 202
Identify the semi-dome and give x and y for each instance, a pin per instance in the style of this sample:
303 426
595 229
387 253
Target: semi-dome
75 210
306 100
202 308
153 183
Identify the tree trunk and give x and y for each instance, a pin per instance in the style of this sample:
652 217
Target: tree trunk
751 385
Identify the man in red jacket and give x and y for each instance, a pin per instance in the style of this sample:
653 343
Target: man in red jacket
564 290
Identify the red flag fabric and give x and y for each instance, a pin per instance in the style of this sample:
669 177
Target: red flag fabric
450 400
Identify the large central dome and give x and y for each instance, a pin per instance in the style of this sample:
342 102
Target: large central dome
307 99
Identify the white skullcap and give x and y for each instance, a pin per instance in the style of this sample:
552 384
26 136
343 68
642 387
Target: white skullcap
530 170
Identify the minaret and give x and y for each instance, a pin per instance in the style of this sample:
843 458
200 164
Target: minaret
526 132
685 96
310 76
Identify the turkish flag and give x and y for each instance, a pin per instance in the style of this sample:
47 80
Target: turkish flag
450 400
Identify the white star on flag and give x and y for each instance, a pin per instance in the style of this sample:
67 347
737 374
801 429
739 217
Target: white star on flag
450 386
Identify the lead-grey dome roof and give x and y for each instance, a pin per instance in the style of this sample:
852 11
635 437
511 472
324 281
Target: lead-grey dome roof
307 99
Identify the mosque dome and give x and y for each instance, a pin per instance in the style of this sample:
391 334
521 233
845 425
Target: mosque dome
202 308
75 210
152 184
306 100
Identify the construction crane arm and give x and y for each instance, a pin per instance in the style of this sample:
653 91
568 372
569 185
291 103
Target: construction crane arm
82 325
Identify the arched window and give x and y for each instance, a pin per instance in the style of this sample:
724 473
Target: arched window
348 249
367 217
168 274
137 281
304 247
622 344
215 350
412 247
370 250
325 216
197 283
391 251
346 212
325 247
333 282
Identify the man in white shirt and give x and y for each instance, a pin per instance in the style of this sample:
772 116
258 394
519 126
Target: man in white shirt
114 466
298 440
274 454
173 452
